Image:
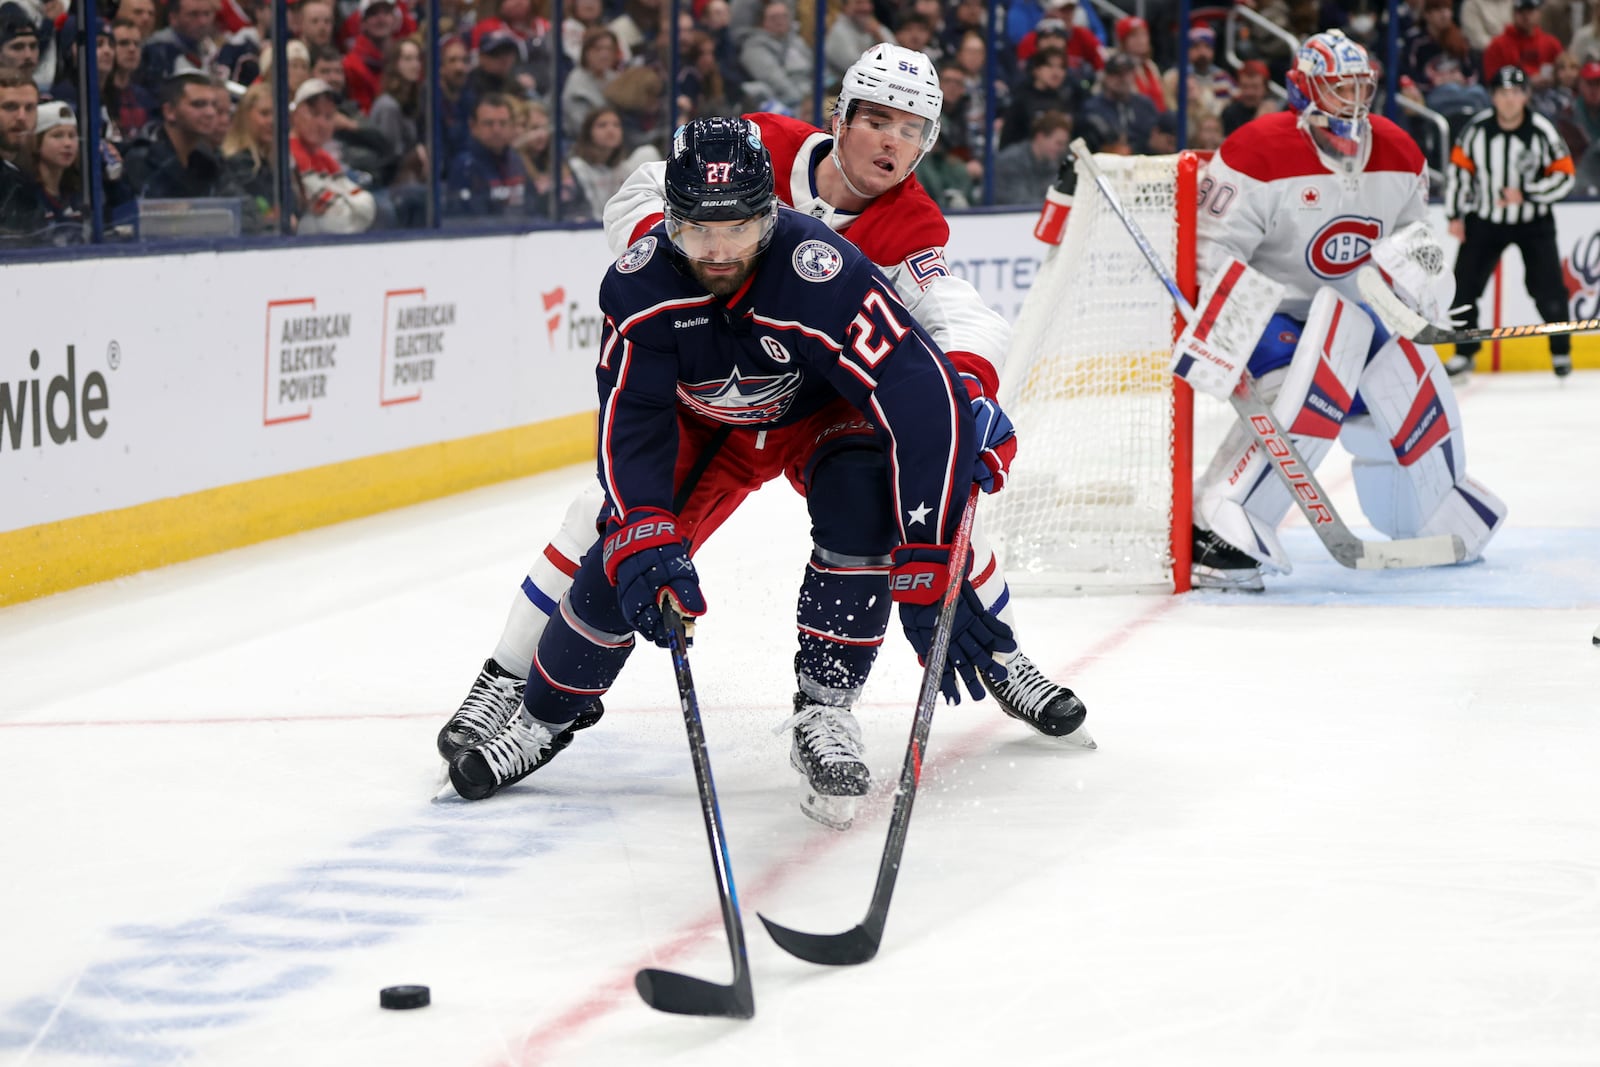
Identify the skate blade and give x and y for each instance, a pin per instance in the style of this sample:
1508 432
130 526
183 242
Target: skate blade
1080 737
836 813
443 790
1228 581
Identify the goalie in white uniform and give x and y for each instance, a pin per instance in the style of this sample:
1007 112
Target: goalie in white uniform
1307 197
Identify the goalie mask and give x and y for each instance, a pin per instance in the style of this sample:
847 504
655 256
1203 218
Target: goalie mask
1331 85
906 89
720 173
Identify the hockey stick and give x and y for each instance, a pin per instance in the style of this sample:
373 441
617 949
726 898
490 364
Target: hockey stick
1401 319
670 991
1343 545
860 943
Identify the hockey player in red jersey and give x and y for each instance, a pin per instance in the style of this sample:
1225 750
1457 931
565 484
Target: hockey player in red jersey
857 179
743 342
1308 197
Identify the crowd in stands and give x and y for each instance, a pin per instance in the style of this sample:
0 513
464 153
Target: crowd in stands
187 105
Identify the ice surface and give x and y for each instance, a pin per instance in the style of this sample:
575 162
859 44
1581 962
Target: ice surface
1352 820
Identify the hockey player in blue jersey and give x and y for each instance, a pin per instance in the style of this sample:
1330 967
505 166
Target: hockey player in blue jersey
744 341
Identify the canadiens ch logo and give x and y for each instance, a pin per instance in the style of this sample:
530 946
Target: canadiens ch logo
741 399
637 255
1342 245
817 261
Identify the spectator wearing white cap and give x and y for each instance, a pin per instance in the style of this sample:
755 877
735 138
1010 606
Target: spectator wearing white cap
58 175
56 171
330 199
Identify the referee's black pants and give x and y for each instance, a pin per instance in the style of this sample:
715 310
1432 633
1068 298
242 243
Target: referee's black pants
1485 243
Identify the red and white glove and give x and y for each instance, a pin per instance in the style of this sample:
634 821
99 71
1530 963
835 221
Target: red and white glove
997 438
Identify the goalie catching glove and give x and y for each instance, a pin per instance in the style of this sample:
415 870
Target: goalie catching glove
1407 284
647 560
918 581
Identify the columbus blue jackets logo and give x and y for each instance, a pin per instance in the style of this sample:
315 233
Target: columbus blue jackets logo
637 255
741 399
817 261
1342 245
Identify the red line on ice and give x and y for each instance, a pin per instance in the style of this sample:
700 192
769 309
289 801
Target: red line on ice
615 992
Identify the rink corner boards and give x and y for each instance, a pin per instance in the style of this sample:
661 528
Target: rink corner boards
38 561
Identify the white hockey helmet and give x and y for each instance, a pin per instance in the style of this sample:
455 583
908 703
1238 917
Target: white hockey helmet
1331 85
895 77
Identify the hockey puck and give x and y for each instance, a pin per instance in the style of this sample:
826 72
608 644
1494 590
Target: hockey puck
404 996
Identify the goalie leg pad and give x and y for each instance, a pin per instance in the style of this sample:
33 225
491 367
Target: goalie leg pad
1310 388
548 581
1409 455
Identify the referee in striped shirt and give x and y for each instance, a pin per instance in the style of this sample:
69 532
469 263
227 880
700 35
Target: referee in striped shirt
1507 167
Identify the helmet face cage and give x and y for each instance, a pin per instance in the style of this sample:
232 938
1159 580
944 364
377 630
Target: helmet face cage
1332 86
895 77
719 172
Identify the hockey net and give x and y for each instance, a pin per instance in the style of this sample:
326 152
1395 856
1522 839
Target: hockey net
1100 490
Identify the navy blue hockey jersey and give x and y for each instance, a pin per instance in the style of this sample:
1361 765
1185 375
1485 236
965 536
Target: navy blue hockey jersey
816 321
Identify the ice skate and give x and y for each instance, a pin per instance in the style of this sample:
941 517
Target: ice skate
826 750
522 747
1459 366
1027 695
1561 363
1218 565
491 702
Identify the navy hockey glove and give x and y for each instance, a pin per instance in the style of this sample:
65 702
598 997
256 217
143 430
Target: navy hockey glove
997 445
645 558
918 581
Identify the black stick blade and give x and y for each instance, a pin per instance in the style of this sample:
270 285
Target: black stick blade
683 994
856 945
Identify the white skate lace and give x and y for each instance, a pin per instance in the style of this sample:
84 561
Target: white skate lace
832 735
490 704
1025 688
516 749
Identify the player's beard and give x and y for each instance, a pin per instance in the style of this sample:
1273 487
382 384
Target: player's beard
723 284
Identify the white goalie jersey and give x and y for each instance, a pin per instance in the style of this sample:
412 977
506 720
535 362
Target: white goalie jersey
1267 199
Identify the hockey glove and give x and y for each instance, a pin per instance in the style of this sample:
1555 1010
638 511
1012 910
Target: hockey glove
997 438
997 445
918 581
646 559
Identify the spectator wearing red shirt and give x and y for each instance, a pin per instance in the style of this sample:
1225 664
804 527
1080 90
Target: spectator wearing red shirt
1133 40
1524 44
363 64
1082 44
350 28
